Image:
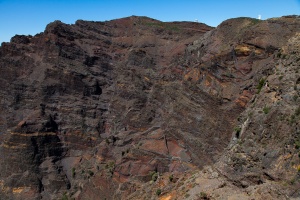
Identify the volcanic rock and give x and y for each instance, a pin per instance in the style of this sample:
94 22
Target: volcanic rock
136 108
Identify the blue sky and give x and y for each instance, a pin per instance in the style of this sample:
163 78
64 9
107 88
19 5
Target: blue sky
31 16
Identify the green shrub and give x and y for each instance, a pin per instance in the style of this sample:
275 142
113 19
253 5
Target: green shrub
297 111
260 85
293 119
187 195
237 129
266 110
158 191
171 178
91 173
203 195
107 141
297 144
64 197
154 175
278 54
293 181
73 172
110 167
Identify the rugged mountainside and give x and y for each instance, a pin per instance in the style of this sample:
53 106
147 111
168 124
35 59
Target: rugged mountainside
135 108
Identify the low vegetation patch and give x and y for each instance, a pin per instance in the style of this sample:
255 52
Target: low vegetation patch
297 144
73 172
297 111
203 195
154 175
171 178
266 109
158 191
260 85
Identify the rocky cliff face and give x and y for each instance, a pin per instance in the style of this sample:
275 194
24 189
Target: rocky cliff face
136 108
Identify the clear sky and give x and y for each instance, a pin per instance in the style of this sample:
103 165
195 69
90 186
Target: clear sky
29 17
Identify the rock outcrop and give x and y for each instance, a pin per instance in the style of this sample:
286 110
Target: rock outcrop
135 108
